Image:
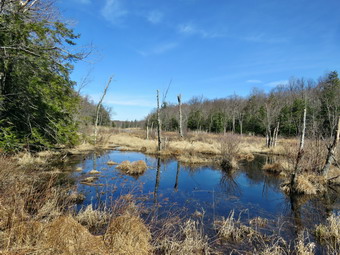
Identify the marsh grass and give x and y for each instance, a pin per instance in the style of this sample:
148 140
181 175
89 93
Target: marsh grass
189 239
231 229
133 168
329 233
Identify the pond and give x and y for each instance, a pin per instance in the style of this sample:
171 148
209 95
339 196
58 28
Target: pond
171 187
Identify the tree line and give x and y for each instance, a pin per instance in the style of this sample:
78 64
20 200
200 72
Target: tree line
279 111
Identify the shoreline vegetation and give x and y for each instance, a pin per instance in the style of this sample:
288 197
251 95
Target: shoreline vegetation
42 219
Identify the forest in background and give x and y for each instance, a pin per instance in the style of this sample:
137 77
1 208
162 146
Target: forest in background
279 111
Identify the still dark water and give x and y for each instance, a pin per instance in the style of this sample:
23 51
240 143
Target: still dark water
172 187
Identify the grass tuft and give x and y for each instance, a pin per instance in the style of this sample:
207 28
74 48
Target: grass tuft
133 168
127 234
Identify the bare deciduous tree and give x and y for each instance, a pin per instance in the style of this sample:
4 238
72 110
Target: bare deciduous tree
98 109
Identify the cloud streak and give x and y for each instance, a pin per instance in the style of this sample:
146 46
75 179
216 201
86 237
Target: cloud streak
190 29
113 11
275 83
262 38
155 17
159 49
254 81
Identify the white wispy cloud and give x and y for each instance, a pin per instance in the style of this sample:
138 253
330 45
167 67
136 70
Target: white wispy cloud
254 81
158 49
191 29
263 38
155 17
275 83
114 11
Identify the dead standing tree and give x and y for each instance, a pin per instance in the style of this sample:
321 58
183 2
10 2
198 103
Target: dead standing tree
98 110
179 98
297 169
159 124
331 151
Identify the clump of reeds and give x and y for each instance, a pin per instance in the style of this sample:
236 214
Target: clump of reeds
188 240
247 156
307 184
111 163
127 234
133 168
94 220
66 236
329 233
231 229
303 248
275 168
193 159
89 180
274 246
94 171
258 222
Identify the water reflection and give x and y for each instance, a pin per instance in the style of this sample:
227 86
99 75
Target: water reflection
167 185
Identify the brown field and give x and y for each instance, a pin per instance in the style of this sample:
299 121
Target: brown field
36 215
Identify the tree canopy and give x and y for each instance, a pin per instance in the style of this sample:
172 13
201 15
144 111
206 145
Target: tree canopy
37 100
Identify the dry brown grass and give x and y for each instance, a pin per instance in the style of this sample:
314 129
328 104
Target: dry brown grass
93 219
231 229
127 234
329 233
34 219
111 163
305 249
94 171
89 180
194 159
310 184
66 236
189 240
133 168
281 166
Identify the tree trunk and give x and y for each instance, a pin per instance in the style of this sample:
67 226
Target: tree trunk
147 129
98 109
159 124
331 151
276 133
268 136
241 127
299 156
233 124
179 98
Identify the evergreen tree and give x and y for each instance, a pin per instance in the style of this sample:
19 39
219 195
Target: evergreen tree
37 100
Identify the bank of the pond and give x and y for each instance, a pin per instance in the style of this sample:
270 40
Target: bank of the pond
224 212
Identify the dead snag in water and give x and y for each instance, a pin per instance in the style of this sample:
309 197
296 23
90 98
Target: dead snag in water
331 151
297 169
159 124
98 110
179 98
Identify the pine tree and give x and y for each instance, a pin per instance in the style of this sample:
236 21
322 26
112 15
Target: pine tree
37 100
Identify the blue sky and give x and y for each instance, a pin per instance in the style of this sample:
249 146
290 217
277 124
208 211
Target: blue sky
213 48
